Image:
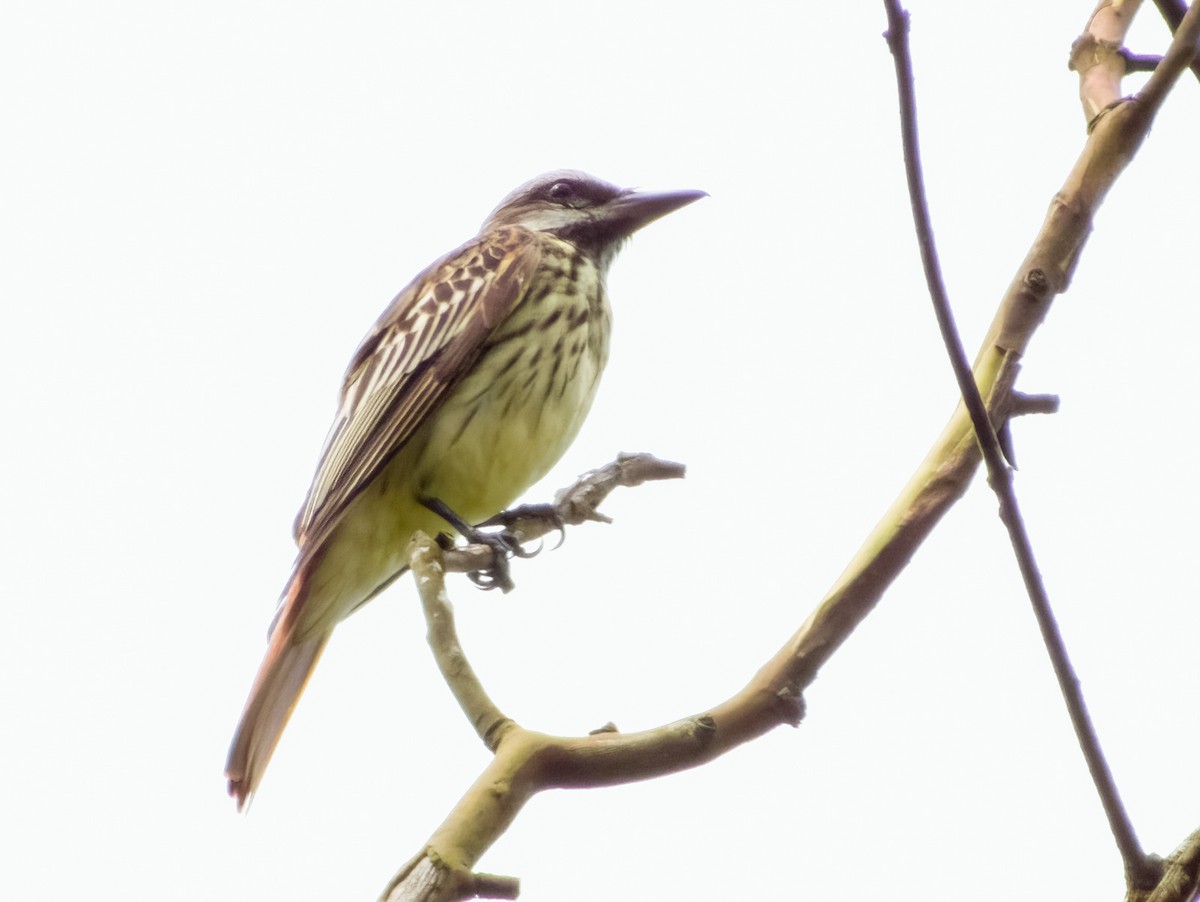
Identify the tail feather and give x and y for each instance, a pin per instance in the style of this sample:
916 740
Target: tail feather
281 678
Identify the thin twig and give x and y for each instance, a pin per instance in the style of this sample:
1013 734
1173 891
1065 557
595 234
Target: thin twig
1137 869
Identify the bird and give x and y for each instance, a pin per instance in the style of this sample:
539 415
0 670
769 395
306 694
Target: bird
468 388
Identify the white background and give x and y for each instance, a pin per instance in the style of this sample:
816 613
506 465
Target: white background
205 206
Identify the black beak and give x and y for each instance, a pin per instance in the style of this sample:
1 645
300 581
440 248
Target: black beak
632 210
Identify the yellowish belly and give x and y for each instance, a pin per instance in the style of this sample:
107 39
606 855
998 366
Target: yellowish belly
483 452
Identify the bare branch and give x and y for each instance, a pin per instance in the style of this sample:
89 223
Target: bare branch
489 721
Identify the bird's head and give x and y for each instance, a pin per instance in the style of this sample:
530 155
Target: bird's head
590 213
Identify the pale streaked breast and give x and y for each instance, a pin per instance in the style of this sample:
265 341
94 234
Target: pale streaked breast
518 411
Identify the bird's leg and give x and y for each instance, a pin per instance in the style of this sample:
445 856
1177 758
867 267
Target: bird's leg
503 545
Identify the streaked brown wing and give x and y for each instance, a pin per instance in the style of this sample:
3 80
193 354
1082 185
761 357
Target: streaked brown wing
421 346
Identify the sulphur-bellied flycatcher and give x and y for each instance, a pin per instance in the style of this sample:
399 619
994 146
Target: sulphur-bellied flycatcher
465 392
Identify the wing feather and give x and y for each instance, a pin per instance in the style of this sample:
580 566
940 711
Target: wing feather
414 355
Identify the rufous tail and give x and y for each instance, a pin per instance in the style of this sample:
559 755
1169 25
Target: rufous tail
281 678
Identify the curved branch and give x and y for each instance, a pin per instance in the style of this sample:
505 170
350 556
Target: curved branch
426 561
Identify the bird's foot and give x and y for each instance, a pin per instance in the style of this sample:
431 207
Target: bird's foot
543 518
499 575
504 545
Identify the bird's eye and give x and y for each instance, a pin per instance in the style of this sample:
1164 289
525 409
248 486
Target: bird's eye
562 191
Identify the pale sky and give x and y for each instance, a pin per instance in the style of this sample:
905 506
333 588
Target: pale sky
204 209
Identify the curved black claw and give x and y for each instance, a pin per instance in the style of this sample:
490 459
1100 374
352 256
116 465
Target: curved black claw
544 513
497 576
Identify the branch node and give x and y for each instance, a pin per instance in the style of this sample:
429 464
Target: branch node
430 876
1177 877
1089 51
609 727
705 729
492 730
1106 110
1037 285
790 702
